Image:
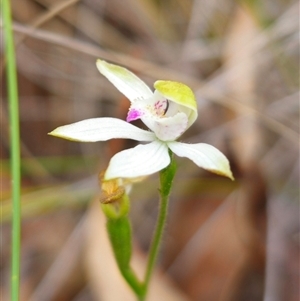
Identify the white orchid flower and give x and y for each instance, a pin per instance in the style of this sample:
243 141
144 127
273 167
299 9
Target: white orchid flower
168 113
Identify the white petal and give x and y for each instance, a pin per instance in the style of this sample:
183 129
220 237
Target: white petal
204 155
141 160
167 128
102 129
125 81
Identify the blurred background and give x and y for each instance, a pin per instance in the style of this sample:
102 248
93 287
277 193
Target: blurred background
225 241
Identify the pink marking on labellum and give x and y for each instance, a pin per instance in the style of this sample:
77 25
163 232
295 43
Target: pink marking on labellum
161 107
133 114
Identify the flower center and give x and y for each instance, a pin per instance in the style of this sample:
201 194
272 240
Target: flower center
161 107
156 109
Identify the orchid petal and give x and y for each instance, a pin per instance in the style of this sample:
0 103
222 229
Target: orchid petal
101 129
141 160
125 81
203 155
180 94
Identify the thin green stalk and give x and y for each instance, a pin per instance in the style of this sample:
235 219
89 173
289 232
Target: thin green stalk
12 88
119 232
166 179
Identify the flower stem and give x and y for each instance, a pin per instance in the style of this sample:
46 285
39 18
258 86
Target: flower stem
119 232
166 179
15 149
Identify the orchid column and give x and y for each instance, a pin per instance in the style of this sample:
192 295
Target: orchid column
168 112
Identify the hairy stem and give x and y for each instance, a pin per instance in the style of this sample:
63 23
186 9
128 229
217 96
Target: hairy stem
166 180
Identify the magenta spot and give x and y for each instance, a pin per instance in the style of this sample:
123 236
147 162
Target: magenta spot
133 114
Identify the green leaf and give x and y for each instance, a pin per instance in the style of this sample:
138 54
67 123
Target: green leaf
119 231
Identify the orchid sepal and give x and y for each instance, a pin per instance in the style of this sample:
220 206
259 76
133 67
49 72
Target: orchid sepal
125 81
101 129
140 161
203 155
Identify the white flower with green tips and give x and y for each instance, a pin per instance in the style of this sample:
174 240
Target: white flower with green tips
168 112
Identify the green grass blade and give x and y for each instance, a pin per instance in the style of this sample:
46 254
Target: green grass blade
12 88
